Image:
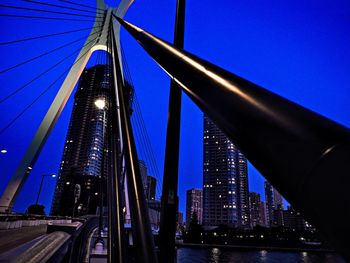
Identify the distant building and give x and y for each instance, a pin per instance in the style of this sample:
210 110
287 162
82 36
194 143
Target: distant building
263 214
144 173
254 204
290 219
180 218
274 201
85 160
225 180
194 203
151 188
154 213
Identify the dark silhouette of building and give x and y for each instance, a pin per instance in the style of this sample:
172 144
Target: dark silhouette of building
254 204
85 157
263 213
290 219
180 218
154 212
225 180
194 204
274 201
144 173
151 188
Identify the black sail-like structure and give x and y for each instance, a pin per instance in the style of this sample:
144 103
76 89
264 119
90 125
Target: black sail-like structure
304 155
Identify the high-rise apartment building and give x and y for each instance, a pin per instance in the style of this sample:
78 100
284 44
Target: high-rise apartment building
263 214
254 204
144 173
85 157
194 204
151 188
225 180
274 201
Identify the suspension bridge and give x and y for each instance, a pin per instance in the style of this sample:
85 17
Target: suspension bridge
273 132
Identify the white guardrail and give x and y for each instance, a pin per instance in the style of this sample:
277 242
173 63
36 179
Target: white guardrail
4 225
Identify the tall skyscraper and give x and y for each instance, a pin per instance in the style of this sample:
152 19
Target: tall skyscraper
263 214
85 157
225 180
274 201
144 173
254 203
194 203
151 188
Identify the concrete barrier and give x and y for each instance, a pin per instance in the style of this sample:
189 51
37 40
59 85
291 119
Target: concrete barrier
4 225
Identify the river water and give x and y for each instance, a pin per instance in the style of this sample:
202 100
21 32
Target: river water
219 255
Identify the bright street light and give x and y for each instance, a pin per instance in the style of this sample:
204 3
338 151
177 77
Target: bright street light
100 103
3 151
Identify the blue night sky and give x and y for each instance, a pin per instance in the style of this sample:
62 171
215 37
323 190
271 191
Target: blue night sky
298 49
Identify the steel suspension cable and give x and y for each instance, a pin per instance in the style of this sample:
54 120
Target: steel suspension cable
61 6
144 134
137 130
40 95
143 138
44 11
87 6
143 146
46 36
148 147
43 73
44 54
50 18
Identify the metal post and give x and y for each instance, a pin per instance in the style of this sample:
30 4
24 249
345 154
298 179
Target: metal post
304 155
41 185
138 207
116 233
169 202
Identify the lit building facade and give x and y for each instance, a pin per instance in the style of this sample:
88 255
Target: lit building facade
263 214
225 180
85 159
151 188
254 205
194 204
274 201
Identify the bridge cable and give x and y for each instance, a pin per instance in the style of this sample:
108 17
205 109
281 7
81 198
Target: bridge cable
45 53
40 95
45 11
87 6
61 6
143 136
142 126
149 151
139 120
43 73
45 36
144 146
51 18
142 150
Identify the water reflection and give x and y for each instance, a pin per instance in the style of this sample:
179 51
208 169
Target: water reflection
215 255
263 255
223 255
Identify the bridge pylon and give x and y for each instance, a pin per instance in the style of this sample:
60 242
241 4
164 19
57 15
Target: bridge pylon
97 40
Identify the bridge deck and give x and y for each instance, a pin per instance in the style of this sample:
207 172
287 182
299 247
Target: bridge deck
13 238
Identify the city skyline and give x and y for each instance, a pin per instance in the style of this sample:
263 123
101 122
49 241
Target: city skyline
225 180
286 62
194 204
